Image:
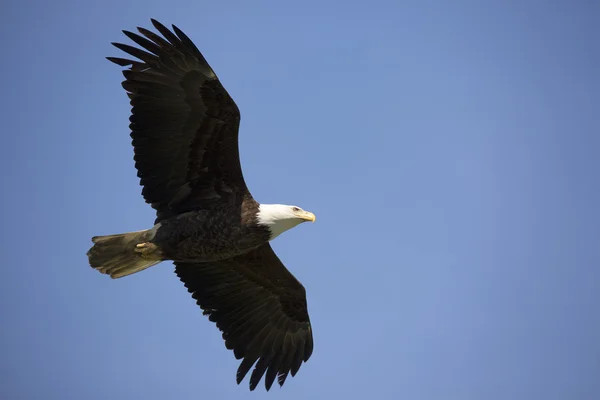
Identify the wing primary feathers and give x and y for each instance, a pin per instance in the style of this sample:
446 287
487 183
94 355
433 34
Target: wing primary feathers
170 36
145 43
154 37
120 61
273 367
142 55
282 377
148 77
188 43
244 367
308 346
297 362
259 370
253 354
289 349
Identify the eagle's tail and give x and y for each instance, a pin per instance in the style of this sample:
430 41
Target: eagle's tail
124 254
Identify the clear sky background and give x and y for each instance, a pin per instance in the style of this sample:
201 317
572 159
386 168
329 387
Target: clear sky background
450 151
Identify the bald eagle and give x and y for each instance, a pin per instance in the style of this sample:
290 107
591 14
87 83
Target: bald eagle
184 130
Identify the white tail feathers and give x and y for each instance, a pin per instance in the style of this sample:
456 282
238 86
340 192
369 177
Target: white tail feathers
124 254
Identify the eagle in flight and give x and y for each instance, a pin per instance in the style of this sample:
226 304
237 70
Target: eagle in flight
184 130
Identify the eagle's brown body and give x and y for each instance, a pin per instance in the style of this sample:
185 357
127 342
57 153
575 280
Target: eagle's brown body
209 235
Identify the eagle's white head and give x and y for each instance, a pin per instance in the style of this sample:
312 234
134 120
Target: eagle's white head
280 217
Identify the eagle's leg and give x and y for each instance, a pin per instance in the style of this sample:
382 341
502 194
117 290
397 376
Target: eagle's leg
147 250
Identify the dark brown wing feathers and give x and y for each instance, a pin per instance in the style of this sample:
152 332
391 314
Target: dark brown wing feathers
184 124
261 309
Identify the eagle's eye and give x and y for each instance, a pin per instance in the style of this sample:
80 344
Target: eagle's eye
295 209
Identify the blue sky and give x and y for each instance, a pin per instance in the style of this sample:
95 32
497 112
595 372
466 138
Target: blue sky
448 149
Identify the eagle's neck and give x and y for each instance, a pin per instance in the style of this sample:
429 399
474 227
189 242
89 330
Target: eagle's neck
278 218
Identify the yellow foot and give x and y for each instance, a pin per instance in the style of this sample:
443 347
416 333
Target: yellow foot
146 250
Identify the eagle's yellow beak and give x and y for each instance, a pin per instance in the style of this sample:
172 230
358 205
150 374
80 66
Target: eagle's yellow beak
308 216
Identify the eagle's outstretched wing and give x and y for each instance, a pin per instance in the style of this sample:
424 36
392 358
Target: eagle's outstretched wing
184 124
261 309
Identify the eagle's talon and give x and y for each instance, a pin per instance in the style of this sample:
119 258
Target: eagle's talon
145 249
